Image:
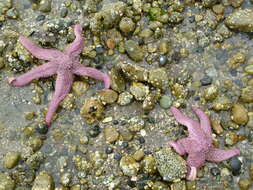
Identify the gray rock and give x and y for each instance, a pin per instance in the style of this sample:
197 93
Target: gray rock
170 165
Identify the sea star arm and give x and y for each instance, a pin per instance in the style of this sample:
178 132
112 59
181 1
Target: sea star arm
204 120
76 47
41 71
79 69
194 161
218 155
62 87
183 146
40 53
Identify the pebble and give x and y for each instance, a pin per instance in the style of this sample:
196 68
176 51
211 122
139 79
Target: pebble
126 25
240 19
6 183
42 128
134 72
79 88
249 69
35 143
211 93
179 185
125 98
239 114
92 110
149 164
139 90
66 179
129 166
231 138
246 94
135 124
158 78
117 156
138 155
165 101
215 171
216 126
134 50
206 81
117 80
109 150
170 165
108 96
244 183
35 160
43 181
45 5
94 131
222 103
11 159
111 134
163 60
235 165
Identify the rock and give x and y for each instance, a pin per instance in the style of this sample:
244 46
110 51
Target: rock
236 3
117 80
45 5
66 179
79 87
92 110
6 183
81 163
216 126
211 93
235 165
129 166
158 78
236 60
149 164
209 3
180 185
139 90
151 99
108 96
43 181
244 183
35 143
240 19
251 171
134 72
239 114
165 101
11 159
222 103
247 94
170 165
146 33
135 124
68 102
138 155
126 25
111 134
125 98
231 138
134 50
35 160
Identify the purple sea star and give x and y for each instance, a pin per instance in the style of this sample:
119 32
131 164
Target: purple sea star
198 145
64 64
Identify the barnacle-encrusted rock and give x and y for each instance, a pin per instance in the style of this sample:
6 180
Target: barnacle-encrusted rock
211 93
241 19
170 165
92 110
134 50
158 77
239 114
135 124
222 103
149 164
134 72
6 183
44 181
108 16
108 96
139 90
125 98
151 99
247 94
129 166
117 80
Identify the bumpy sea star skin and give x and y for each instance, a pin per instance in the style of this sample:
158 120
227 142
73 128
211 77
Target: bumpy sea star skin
198 145
64 64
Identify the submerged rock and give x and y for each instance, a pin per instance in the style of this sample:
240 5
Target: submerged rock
6 183
241 20
44 181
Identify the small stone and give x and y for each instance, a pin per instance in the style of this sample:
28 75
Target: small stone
236 60
11 159
68 102
235 165
125 98
126 25
206 81
35 160
64 12
45 5
92 110
164 47
247 94
79 87
215 171
240 19
109 150
117 80
216 126
231 138
117 156
134 50
149 164
139 90
129 166
249 69
239 114
165 101
163 60
111 134
151 100
42 128
211 93
110 43
158 78
108 96
94 131
236 3
218 9
135 124
134 72
35 143
146 33
29 115
6 183
244 183
179 185
138 155
66 178
222 103
43 181
209 3
170 165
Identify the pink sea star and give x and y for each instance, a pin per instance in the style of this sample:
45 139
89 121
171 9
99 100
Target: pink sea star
64 64
198 145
